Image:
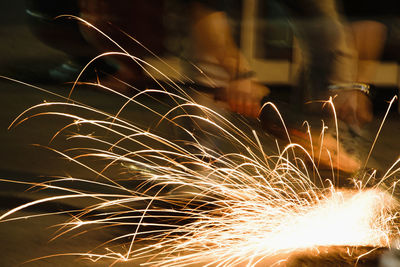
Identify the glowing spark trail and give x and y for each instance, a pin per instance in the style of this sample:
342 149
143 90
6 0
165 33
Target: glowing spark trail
193 203
239 207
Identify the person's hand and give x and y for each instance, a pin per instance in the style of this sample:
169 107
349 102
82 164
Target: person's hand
244 96
353 107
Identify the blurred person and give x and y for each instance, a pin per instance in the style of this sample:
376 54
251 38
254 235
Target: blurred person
329 68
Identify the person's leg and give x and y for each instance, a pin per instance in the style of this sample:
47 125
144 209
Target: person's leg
327 56
327 59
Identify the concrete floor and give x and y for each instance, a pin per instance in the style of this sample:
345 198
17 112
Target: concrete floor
25 58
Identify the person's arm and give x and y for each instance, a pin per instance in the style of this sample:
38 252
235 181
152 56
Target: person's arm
212 35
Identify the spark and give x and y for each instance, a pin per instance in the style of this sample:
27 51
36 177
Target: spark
195 203
262 206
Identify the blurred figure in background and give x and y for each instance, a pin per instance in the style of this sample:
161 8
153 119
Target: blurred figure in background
329 68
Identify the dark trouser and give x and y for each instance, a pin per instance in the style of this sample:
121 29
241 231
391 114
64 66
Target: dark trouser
327 56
